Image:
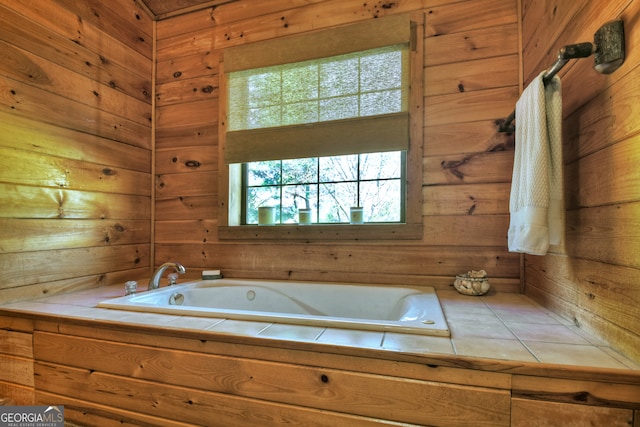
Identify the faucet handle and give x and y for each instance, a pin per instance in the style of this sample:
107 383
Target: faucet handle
173 278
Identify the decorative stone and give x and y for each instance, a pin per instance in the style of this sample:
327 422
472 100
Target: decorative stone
472 283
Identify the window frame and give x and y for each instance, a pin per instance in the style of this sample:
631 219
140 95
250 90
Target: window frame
230 193
318 182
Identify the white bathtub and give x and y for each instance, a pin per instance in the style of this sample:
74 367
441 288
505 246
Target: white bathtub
407 309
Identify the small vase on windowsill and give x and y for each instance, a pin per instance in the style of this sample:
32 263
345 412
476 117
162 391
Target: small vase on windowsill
266 215
304 216
356 215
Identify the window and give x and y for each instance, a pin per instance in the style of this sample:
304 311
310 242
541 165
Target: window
328 186
326 128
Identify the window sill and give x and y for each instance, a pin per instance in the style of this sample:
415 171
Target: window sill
322 232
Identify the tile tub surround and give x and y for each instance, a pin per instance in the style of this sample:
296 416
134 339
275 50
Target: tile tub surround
503 326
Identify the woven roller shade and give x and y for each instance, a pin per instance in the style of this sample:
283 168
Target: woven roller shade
395 29
388 132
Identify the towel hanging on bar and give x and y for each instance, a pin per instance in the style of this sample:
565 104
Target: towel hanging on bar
535 204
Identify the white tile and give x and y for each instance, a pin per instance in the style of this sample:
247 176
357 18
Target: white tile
352 338
417 343
493 349
292 332
238 327
572 354
546 333
479 328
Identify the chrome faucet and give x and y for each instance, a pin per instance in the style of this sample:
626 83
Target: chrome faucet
154 283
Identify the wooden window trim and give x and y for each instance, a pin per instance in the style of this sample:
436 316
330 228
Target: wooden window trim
411 229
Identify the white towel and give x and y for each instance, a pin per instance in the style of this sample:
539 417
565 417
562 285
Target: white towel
536 204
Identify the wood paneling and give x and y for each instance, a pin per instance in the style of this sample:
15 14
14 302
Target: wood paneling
594 279
140 377
75 114
16 359
534 413
471 74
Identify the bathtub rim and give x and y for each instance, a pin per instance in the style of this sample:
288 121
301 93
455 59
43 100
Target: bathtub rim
439 328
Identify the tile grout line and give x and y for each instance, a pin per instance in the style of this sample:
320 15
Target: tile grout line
510 330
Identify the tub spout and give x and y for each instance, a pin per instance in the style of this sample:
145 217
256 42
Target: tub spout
154 283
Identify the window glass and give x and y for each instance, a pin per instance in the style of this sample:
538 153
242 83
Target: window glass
329 186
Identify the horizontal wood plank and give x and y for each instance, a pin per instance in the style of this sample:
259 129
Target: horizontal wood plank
23 235
530 413
14 343
468 168
462 230
179 67
198 134
187 159
30 135
471 45
466 199
32 70
196 183
577 392
452 109
73 284
587 186
327 14
187 231
195 89
196 42
28 101
469 15
59 264
589 228
204 112
488 73
48 171
20 201
467 137
17 394
18 370
84 413
334 260
186 208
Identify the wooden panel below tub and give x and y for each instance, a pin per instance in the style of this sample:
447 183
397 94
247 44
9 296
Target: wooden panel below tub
201 386
106 376
536 413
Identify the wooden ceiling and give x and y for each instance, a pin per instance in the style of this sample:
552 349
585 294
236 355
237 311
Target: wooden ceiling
162 9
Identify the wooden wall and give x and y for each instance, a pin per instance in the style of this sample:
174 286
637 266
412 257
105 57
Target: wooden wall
75 144
595 280
471 72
